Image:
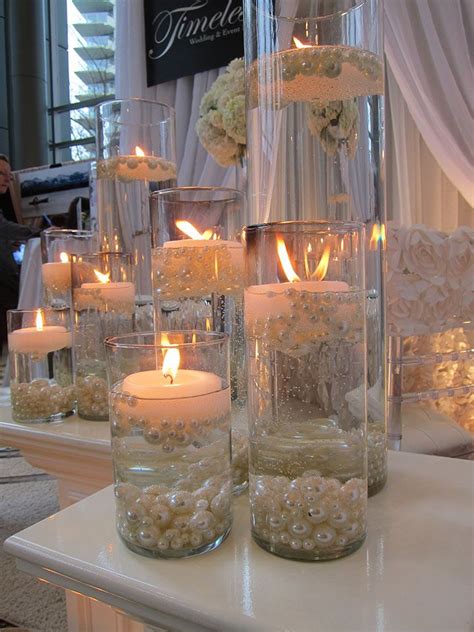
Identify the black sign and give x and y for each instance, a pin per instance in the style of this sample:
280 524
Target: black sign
186 37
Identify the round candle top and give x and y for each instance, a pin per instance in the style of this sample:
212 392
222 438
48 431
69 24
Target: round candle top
155 385
41 341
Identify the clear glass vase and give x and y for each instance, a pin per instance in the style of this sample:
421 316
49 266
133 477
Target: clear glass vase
314 72
198 282
170 419
103 294
306 348
57 247
41 383
136 155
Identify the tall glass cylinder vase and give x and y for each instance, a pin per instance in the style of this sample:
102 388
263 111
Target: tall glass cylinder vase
198 270
306 347
103 296
314 77
57 247
170 414
136 155
40 350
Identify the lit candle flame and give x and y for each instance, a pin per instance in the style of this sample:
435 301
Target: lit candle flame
322 267
285 261
188 229
63 257
300 44
103 278
39 320
139 151
208 324
171 363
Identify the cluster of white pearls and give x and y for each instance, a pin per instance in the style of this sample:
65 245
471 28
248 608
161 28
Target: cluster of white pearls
167 434
377 460
128 168
92 397
184 272
173 521
311 516
323 64
41 399
311 319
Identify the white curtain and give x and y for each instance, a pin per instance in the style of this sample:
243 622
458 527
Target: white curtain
418 190
427 45
195 166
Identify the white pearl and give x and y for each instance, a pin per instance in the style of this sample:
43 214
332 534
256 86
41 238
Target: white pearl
324 536
202 520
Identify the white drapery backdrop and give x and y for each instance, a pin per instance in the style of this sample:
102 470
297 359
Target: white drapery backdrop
430 163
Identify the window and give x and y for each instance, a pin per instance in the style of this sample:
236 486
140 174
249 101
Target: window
81 72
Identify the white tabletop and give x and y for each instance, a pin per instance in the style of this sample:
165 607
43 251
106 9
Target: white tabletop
414 572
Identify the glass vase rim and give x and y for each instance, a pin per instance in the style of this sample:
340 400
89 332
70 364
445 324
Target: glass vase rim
43 310
116 255
350 225
77 232
112 102
120 342
233 193
313 18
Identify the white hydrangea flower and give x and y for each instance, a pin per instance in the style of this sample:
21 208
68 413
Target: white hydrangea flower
221 127
337 125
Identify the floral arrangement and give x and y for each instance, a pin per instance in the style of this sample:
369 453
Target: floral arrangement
337 125
221 127
430 279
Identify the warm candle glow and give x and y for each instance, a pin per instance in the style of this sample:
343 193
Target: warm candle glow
322 267
171 363
64 257
378 234
285 261
39 320
190 231
139 151
299 44
103 278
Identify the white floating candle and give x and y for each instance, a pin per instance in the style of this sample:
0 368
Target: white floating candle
57 274
105 294
41 339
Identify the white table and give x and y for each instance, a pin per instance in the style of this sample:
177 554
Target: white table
75 451
413 573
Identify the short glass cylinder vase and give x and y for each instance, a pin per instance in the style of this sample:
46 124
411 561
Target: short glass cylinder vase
57 247
136 154
103 294
306 348
170 418
315 142
198 283
40 353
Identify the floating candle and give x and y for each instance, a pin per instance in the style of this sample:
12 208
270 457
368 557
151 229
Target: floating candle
171 394
105 294
40 340
57 274
137 167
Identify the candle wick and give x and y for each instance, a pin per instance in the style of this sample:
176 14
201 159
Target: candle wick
170 376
